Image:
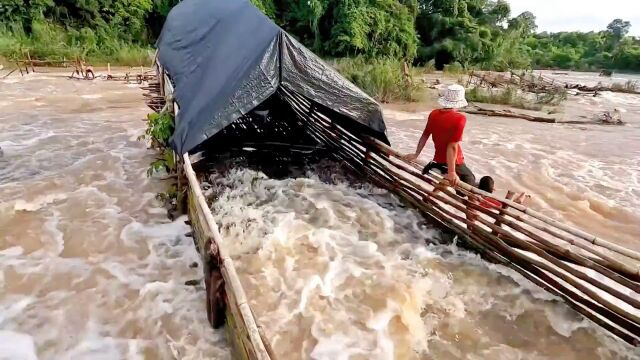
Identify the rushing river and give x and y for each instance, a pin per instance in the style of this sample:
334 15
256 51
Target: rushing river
336 271
90 267
585 174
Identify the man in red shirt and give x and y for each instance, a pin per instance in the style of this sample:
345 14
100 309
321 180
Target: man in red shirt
446 125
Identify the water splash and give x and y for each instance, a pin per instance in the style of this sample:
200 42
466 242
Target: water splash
347 271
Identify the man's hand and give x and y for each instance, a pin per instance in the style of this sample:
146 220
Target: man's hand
410 157
522 198
453 178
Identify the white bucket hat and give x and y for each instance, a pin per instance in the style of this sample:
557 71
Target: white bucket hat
453 97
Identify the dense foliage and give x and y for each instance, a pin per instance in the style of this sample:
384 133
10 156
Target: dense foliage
585 51
383 79
160 127
473 33
338 28
115 30
482 33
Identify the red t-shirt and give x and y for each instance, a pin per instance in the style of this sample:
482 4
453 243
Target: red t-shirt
490 203
446 126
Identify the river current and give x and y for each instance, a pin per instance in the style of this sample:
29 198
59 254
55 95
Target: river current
91 268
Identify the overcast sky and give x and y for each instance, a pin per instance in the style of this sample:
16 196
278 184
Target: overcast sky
583 15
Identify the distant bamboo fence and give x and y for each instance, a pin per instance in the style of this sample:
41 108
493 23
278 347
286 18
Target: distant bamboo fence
135 74
539 84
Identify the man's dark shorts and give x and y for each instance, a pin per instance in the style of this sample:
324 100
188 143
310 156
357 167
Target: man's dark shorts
464 173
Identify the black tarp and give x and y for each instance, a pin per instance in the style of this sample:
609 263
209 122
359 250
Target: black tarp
225 58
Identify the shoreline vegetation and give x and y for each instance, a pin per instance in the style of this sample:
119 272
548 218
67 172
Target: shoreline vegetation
369 41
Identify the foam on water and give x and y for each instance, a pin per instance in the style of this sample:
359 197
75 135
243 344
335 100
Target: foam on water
16 346
335 271
91 96
37 203
90 267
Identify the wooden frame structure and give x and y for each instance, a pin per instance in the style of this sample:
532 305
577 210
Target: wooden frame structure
597 278
226 299
82 70
537 84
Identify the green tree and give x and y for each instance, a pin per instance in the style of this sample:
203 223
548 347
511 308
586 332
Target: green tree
474 33
619 28
524 23
372 28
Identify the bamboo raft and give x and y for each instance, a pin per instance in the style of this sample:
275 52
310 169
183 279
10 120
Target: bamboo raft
597 278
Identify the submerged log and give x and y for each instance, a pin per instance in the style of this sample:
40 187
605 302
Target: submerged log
510 114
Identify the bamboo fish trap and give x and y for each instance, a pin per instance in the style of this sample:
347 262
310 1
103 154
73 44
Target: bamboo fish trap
597 278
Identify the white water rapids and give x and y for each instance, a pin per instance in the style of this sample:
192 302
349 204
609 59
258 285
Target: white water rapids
90 267
341 272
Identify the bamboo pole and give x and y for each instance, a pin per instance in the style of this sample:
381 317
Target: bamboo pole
33 70
9 73
587 290
621 320
548 246
573 303
591 310
509 196
612 262
19 68
531 247
578 233
232 278
561 251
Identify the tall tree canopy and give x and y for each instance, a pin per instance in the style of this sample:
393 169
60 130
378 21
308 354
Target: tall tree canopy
372 28
474 33
619 28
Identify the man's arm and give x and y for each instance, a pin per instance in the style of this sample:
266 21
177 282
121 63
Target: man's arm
452 150
452 155
423 141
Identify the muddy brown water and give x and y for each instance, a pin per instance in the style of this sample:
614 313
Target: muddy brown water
90 267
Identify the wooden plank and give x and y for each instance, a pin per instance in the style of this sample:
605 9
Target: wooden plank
235 293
